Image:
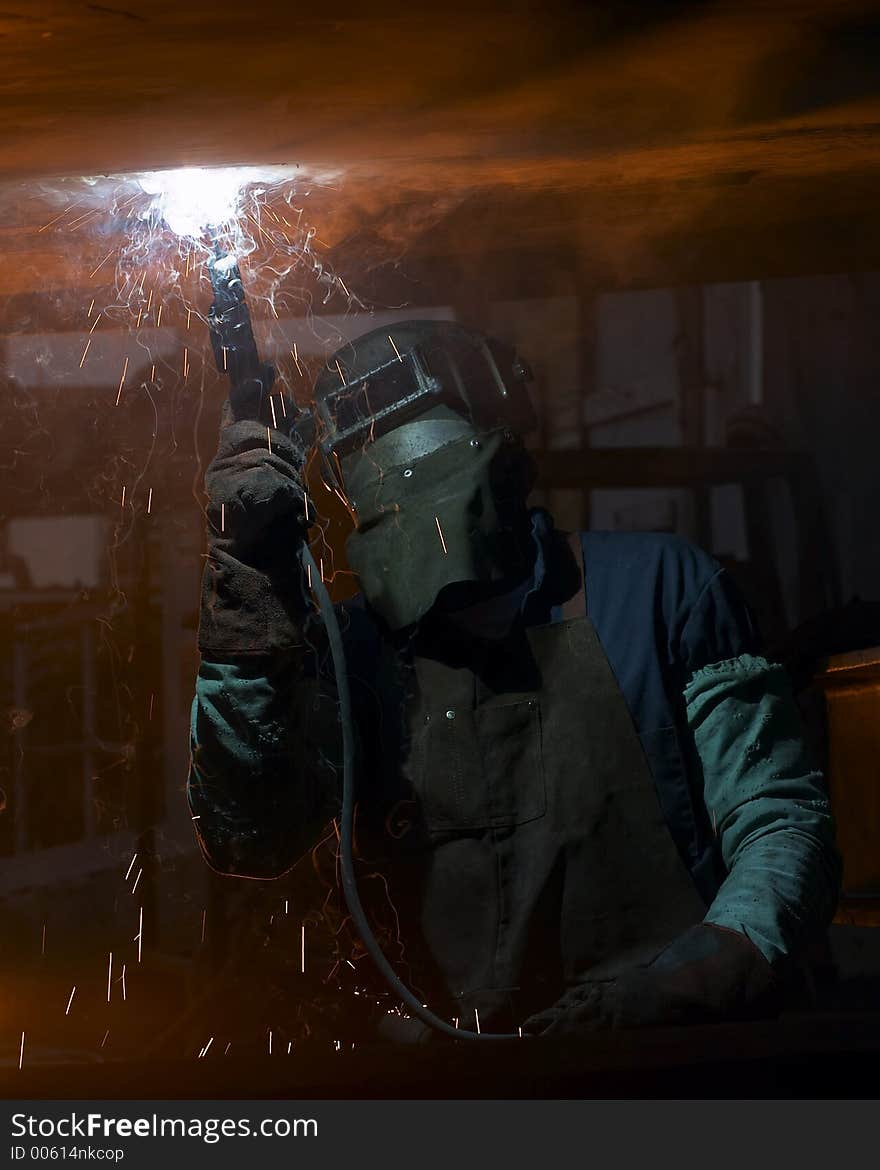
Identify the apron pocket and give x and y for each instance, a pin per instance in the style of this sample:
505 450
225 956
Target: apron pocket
483 769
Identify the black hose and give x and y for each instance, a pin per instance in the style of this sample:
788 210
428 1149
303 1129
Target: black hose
346 831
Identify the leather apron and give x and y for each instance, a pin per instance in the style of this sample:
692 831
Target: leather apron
537 852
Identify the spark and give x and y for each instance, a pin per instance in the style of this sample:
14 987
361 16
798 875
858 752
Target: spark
95 325
101 265
149 501
269 439
150 300
85 351
109 975
295 357
134 859
224 358
274 417
303 949
70 1001
123 982
222 517
43 948
270 1041
61 216
289 1046
185 363
140 934
122 381
137 879
127 203
204 918
153 371
91 306
21 1053
477 1018
122 505
341 375
106 1034
189 314
394 347
80 219
197 817
341 282
204 1051
152 697
159 316
258 226
519 1029
228 1046
138 322
440 531
285 905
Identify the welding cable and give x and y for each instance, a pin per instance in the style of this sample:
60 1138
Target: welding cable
346 830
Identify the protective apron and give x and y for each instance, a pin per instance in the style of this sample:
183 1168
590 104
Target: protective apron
533 850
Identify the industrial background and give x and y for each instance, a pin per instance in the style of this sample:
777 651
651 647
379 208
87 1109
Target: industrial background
670 210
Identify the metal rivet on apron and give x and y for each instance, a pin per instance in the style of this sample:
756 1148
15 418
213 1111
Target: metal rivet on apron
450 714
407 473
476 444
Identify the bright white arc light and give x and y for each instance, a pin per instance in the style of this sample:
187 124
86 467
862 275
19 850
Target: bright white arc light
195 198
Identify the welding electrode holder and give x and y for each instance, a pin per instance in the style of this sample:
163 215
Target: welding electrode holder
237 357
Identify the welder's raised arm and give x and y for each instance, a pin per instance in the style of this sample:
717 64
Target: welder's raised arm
264 727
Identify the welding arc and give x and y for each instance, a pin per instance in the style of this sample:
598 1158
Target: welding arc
346 829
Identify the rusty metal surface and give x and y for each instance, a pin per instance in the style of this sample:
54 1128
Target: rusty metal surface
658 140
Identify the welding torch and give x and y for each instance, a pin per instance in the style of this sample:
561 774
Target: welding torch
232 339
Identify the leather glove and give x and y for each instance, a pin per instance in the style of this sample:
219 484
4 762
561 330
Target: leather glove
253 599
707 974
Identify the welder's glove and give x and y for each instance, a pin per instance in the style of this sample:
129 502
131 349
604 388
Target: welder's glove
707 974
252 589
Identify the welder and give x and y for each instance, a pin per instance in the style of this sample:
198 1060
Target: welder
588 787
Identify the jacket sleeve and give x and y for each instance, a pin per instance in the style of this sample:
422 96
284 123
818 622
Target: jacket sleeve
264 725
264 763
767 803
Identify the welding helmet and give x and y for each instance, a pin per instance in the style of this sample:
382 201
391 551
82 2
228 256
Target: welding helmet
420 431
